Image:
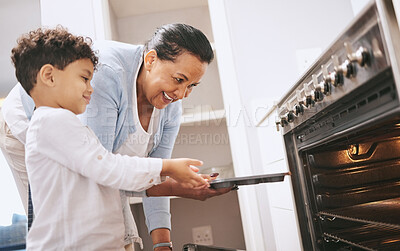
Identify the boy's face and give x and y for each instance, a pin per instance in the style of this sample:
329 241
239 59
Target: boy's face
73 85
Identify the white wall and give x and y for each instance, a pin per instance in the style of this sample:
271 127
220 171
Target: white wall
9 197
221 213
81 17
16 17
134 29
269 40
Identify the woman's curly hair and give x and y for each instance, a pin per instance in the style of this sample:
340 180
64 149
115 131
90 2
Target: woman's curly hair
43 46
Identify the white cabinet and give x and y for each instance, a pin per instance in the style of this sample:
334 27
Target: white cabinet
203 133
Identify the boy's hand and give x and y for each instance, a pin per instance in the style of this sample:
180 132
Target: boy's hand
170 187
184 172
197 194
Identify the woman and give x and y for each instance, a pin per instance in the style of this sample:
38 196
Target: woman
135 110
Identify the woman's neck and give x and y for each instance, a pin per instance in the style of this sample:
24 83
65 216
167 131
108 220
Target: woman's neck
143 105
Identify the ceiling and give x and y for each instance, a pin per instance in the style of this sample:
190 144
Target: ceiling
125 8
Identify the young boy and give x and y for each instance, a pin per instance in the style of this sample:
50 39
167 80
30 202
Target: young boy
74 180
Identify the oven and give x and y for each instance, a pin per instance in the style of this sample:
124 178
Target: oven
341 128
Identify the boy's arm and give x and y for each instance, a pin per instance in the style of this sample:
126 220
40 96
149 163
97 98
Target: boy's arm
63 138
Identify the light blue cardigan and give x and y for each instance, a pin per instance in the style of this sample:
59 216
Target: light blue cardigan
110 115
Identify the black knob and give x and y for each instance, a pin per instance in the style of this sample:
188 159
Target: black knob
290 117
327 88
339 80
350 70
283 122
309 101
318 95
298 109
364 57
335 78
277 123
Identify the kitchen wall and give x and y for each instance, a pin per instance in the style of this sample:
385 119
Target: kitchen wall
272 43
221 213
16 17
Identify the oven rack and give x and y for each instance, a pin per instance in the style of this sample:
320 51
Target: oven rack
358 195
384 213
368 237
358 175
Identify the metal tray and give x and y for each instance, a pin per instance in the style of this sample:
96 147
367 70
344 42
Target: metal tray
248 180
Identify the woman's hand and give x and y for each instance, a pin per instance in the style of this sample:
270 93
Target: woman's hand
198 194
170 187
184 171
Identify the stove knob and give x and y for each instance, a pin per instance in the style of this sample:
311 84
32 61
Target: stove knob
326 88
338 70
277 123
290 116
361 56
309 101
320 89
318 96
331 77
347 68
283 121
298 109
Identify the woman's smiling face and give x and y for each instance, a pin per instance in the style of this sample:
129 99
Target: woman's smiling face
165 81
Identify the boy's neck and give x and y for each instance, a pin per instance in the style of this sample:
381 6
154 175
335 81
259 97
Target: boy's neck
41 97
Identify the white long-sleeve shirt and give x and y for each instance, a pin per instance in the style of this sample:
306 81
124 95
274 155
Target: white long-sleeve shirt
75 181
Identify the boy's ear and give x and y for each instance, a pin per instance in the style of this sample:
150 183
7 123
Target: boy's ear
149 59
46 75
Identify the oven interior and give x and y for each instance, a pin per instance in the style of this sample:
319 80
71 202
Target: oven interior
345 166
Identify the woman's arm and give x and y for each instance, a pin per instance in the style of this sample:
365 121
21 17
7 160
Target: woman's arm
156 209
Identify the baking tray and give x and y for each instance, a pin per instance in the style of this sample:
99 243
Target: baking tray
248 180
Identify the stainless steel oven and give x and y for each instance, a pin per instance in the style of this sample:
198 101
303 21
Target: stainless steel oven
341 128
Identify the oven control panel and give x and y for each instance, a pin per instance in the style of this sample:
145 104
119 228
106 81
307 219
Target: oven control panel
356 57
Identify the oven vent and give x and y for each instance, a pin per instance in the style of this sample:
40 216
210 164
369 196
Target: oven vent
356 110
382 96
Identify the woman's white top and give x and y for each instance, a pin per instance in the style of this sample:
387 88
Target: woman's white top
75 184
141 141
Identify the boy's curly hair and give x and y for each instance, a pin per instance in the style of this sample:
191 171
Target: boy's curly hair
43 46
